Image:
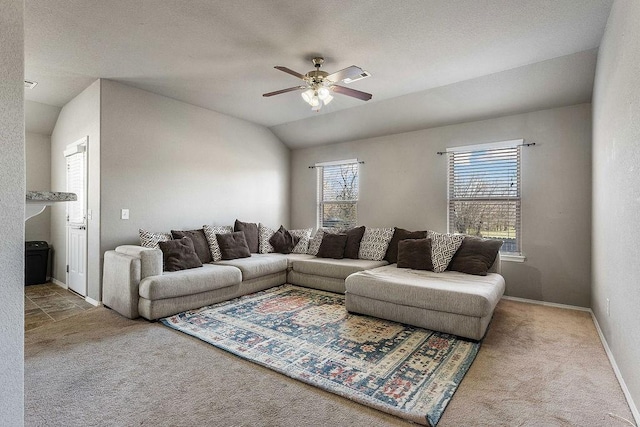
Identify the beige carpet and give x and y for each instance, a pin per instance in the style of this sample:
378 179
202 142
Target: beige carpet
538 366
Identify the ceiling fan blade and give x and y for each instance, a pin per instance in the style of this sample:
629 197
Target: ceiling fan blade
290 89
352 92
347 73
289 71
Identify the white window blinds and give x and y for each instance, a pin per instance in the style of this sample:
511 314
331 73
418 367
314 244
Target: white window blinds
338 184
484 193
75 184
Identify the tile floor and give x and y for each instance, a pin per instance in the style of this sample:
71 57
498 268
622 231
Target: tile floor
48 303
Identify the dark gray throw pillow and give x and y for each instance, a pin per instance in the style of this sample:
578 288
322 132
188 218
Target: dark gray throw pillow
415 254
354 237
475 255
398 235
282 241
332 246
200 243
179 255
233 245
251 234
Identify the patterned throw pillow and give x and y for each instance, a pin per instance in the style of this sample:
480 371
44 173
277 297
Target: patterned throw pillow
315 243
150 240
210 232
303 244
443 248
264 234
374 243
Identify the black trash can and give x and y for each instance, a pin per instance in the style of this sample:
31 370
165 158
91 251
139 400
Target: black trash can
36 259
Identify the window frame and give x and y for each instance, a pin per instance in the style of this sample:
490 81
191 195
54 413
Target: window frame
321 203
516 143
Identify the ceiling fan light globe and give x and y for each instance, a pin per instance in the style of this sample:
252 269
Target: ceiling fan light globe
315 101
327 99
307 95
323 93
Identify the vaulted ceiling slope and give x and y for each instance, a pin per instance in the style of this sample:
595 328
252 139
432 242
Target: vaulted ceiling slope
220 54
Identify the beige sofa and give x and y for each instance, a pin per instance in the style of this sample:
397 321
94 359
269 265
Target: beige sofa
134 285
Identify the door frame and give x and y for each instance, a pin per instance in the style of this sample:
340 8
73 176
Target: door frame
71 149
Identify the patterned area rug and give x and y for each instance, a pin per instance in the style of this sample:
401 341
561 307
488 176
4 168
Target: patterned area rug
308 335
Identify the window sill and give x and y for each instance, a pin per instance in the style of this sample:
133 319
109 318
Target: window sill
512 258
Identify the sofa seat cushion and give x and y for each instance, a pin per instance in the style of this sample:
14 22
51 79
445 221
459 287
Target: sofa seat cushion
187 282
258 265
450 291
335 268
296 257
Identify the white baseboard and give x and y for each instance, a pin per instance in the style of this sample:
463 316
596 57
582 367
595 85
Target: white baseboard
59 283
92 301
548 304
612 360
616 370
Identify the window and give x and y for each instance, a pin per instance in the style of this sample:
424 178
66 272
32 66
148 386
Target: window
484 192
338 193
76 164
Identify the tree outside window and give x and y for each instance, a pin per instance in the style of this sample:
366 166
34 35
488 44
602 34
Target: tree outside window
338 195
484 194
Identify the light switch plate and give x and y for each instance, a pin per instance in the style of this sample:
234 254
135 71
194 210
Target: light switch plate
124 214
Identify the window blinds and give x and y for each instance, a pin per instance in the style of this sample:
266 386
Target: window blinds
338 194
484 194
75 184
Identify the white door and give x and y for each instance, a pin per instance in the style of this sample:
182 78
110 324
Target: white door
76 155
77 260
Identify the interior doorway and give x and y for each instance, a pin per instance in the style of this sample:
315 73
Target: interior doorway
76 177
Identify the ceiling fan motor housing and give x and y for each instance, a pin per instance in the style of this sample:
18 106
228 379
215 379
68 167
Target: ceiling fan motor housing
316 77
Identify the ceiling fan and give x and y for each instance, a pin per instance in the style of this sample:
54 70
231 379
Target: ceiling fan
318 85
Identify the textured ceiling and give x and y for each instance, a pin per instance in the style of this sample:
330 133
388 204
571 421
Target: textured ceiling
220 54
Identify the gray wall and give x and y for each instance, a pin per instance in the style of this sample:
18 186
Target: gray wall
79 118
38 164
40 118
616 190
177 166
12 196
403 183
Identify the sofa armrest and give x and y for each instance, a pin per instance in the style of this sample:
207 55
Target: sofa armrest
150 259
120 283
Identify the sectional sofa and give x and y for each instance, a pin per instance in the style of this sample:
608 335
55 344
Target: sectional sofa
134 284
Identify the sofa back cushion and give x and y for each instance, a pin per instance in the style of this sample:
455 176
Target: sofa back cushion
233 245
315 243
179 255
150 240
401 234
251 234
374 243
283 241
210 232
475 255
200 243
354 238
332 246
304 235
443 247
264 235
415 254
